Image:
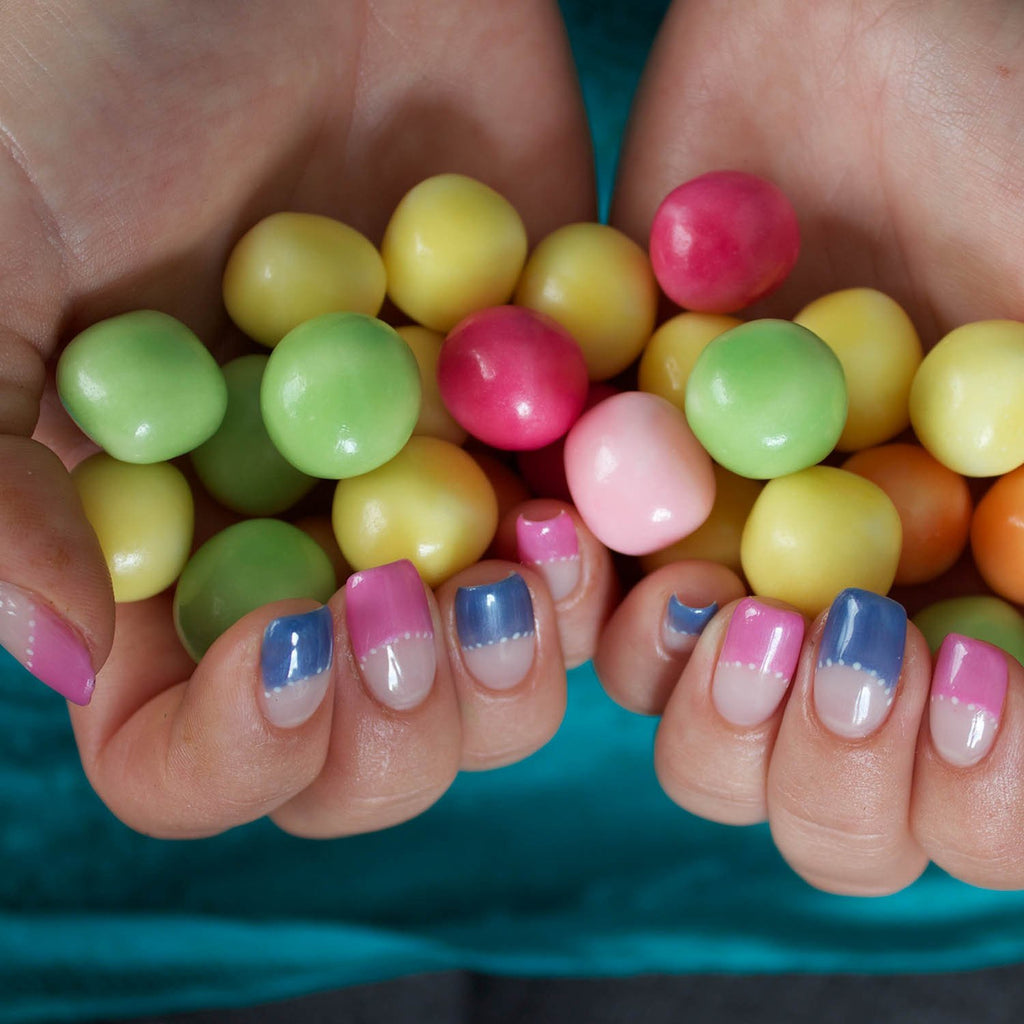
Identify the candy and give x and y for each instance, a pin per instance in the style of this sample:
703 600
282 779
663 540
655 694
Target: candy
453 245
980 616
814 533
340 395
598 284
637 475
434 419
722 241
967 399
143 517
241 568
291 267
997 536
767 398
512 377
240 466
142 386
431 504
880 352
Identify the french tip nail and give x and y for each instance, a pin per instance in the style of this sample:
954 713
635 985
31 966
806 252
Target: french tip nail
682 624
496 630
295 661
552 547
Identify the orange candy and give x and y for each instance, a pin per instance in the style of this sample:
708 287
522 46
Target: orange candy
997 536
933 502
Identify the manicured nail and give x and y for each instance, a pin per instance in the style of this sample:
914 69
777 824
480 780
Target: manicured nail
682 625
296 664
968 690
859 662
496 630
759 656
551 546
45 644
392 633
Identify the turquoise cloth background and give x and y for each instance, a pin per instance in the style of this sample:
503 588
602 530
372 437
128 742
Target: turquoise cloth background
571 863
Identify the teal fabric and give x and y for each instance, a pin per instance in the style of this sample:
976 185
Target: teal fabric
571 863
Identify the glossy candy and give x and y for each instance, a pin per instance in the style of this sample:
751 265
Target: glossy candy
434 419
767 398
340 395
291 267
241 568
723 240
980 616
453 245
512 377
142 386
431 504
967 399
997 536
637 475
598 284
143 517
813 533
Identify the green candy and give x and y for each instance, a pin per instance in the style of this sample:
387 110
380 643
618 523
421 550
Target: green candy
239 465
767 398
340 395
142 386
241 568
979 616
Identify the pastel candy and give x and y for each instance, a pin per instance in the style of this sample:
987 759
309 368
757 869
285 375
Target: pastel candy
980 616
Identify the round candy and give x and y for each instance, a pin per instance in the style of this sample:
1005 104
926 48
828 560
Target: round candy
340 395
767 398
813 533
880 352
980 616
292 267
723 240
997 536
637 475
967 399
143 517
512 377
241 568
240 466
598 284
142 386
434 419
452 245
431 504
933 502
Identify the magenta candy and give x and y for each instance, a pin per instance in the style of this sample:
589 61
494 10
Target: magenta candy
638 477
722 241
512 377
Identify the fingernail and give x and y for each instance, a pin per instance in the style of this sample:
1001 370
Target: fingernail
45 644
682 625
296 665
551 546
392 633
496 631
968 690
859 662
759 656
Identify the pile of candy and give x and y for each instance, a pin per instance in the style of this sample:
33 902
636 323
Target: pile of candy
699 437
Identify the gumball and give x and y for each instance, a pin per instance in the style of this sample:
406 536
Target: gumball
434 419
980 616
997 536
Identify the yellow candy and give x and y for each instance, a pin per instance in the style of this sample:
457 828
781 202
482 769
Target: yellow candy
434 420
880 352
291 267
431 504
669 355
599 285
811 534
452 246
143 516
967 401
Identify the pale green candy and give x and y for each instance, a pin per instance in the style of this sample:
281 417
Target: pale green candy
142 386
241 568
979 616
340 395
239 465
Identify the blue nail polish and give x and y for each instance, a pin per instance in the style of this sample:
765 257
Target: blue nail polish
492 612
296 647
867 632
681 618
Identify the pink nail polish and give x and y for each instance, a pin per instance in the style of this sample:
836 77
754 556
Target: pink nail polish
968 690
551 546
759 656
392 633
45 644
